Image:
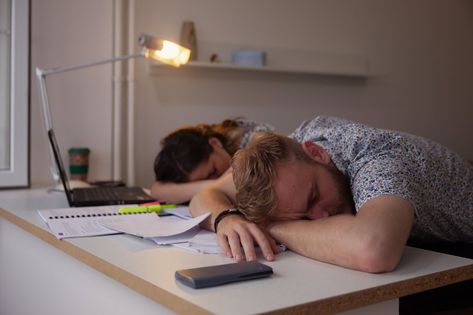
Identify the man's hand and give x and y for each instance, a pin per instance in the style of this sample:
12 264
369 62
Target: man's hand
237 237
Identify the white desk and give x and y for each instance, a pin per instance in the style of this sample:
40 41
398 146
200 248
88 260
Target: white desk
122 274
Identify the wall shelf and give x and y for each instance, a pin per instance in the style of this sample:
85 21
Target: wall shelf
280 60
357 70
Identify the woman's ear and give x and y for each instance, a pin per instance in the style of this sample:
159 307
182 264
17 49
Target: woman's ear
215 143
316 152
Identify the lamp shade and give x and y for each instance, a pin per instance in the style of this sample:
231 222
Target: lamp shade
164 51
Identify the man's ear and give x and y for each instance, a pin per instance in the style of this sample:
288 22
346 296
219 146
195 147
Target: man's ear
215 143
316 152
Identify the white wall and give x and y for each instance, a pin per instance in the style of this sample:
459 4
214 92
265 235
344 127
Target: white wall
419 54
68 32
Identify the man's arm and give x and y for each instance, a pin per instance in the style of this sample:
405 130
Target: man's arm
234 232
373 240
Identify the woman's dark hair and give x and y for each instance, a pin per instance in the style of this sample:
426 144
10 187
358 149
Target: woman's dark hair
185 148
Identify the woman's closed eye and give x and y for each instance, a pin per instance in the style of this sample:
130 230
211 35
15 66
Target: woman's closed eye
213 174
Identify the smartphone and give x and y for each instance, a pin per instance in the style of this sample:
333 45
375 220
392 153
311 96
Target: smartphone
210 276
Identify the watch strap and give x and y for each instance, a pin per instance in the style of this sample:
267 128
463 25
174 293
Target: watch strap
225 213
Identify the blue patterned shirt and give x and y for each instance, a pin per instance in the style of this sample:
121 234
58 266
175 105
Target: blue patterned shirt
437 181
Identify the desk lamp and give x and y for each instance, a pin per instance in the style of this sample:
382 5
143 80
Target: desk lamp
151 47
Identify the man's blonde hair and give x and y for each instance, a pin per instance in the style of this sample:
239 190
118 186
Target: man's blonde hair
254 173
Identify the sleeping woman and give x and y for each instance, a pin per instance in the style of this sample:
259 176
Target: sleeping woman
193 157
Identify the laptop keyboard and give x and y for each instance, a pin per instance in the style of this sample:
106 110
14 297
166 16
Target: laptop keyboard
102 193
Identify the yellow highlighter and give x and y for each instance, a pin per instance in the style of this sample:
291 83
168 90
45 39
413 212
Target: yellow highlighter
150 208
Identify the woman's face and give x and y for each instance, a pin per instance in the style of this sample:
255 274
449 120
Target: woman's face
217 163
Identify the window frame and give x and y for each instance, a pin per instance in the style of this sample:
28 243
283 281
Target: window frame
18 173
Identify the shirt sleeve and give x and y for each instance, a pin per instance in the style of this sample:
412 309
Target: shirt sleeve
386 176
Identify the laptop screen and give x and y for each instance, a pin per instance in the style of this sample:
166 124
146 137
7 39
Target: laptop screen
60 165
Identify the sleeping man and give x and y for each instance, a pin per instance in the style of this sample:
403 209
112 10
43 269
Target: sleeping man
340 192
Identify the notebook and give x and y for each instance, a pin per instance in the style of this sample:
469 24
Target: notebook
95 196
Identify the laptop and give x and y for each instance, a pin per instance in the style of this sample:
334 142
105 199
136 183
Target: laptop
95 196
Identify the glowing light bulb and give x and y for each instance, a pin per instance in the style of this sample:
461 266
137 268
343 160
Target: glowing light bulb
170 53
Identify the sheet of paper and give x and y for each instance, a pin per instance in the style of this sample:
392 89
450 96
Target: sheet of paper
181 212
204 238
156 227
178 238
205 242
79 227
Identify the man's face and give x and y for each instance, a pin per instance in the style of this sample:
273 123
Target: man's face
310 190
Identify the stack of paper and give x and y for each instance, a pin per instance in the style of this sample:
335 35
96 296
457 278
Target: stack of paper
176 228
146 227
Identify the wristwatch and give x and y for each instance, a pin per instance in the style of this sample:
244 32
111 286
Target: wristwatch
223 214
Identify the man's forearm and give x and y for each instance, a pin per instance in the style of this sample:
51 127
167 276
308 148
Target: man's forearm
322 240
209 200
333 240
214 199
373 240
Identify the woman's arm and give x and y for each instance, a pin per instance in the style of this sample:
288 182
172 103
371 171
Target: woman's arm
178 192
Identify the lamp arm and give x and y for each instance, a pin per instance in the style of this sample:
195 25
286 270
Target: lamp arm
46 72
42 73
41 76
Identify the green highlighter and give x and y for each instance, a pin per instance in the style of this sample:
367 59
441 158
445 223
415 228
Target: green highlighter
150 208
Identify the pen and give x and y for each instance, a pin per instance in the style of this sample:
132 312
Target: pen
150 208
